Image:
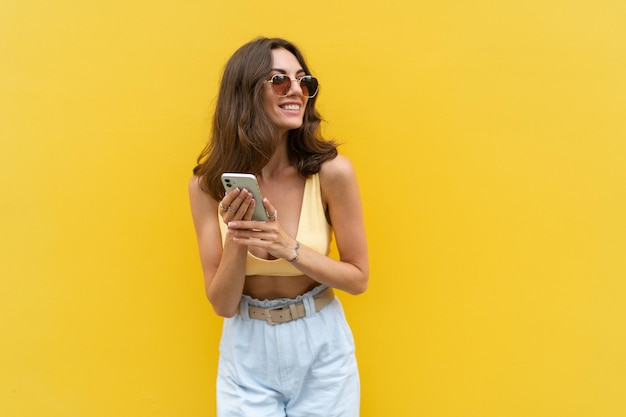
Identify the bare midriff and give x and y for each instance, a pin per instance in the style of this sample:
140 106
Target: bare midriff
264 287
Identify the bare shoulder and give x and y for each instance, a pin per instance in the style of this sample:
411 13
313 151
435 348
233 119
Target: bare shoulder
337 169
195 192
338 179
197 197
194 185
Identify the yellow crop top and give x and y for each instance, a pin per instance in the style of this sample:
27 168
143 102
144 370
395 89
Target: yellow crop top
313 232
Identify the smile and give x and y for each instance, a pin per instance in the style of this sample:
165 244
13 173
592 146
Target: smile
290 107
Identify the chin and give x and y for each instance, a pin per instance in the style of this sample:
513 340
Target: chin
290 126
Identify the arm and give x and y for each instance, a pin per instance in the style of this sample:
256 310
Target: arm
340 193
223 268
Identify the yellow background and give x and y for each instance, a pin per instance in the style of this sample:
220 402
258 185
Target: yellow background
489 139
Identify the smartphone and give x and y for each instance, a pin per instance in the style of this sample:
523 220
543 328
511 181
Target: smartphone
232 180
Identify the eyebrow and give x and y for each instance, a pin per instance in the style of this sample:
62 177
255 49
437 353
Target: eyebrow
282 71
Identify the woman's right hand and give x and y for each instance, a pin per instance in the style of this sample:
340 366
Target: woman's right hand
237 204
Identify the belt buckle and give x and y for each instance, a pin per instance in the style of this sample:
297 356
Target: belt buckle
268 314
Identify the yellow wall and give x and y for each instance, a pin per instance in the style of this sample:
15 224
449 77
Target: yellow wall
489 139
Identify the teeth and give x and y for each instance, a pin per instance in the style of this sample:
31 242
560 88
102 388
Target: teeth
291 107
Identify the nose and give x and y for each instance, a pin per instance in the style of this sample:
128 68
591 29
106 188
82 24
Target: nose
295 88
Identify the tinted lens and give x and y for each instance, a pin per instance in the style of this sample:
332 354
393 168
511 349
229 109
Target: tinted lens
309 85
281 84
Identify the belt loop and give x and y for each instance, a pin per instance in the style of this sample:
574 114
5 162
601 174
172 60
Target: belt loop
309 305
294 311
243 310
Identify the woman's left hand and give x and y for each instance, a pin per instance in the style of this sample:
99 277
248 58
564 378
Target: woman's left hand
268 235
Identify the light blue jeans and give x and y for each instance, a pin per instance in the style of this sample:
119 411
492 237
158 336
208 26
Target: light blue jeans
304 367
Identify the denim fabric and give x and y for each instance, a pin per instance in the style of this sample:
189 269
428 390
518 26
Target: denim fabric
304 367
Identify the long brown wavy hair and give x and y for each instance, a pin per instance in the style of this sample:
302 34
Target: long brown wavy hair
243 138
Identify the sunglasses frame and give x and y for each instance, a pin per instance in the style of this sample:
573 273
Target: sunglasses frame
299 80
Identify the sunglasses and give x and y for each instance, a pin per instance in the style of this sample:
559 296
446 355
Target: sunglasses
281 84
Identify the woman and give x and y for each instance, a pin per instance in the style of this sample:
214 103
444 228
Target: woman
286 349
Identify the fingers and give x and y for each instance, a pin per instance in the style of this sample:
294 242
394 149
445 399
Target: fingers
267 235
261 234
272 213
250 211
238 204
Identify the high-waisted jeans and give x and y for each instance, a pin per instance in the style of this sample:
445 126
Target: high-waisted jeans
304 367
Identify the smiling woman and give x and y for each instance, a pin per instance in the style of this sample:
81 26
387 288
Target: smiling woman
285 101
286 347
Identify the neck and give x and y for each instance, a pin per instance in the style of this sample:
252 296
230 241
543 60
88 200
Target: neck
278 162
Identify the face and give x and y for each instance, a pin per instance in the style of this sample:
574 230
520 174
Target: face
286 112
